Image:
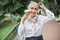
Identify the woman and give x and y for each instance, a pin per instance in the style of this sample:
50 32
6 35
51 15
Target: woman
32 23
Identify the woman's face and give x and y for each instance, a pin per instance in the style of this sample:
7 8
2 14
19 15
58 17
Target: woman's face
34 10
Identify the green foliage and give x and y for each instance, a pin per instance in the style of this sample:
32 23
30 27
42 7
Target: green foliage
4 32
55 8
18 6
14 6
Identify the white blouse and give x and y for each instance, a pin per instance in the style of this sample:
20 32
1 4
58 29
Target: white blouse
32 31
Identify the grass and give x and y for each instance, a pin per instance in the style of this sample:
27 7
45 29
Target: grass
5 23
6 30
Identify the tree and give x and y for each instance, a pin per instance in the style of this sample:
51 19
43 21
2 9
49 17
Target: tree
18 6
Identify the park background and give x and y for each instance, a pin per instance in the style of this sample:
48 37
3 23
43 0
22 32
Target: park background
11 12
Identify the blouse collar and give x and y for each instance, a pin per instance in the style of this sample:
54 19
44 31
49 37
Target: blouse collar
33 19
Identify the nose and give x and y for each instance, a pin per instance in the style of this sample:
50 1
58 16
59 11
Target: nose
33 10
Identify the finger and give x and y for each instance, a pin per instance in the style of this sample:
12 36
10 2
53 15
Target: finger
40 3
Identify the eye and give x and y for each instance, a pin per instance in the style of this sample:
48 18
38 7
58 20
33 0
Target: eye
36 9
31 7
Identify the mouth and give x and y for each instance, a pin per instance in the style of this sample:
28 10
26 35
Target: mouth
33 12
34 16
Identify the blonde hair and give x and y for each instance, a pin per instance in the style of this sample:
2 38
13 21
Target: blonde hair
32 3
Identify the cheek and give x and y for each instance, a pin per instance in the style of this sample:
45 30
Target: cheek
31 14
30 9
36 11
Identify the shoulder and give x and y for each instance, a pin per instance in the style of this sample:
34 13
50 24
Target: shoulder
41 16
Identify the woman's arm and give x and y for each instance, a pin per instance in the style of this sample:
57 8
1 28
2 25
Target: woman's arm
26 15
48 12
21 31
21 26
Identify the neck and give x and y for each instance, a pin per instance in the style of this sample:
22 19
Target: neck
32 17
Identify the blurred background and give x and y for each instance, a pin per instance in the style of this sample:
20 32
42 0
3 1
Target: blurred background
11 12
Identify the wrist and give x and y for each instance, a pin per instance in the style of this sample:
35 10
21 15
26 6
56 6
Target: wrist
22 21
44 8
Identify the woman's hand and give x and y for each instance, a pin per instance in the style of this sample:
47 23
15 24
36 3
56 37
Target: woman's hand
24 17
42 5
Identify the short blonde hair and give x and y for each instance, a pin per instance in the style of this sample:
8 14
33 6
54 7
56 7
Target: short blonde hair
32 3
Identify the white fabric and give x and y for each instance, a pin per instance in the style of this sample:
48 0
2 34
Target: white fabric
27 29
